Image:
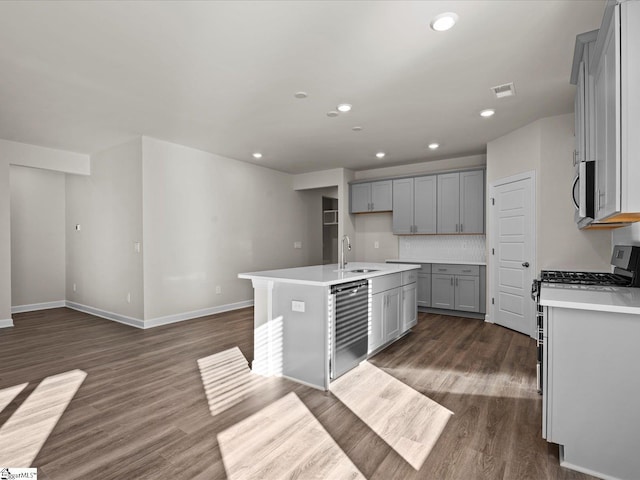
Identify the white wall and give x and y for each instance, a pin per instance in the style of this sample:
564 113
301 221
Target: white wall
208 218
37 236
101 260
560 244
13 153
626 236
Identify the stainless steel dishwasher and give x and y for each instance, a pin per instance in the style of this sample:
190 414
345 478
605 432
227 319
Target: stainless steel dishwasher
350 326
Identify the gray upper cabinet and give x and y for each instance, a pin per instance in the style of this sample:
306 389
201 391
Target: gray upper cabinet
449 203
461 202
402 222
371 197
414 205
615 74
472 202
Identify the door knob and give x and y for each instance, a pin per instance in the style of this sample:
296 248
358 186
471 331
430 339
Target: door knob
525 264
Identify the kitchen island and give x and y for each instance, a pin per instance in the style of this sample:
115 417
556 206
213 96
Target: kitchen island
591 377
295 315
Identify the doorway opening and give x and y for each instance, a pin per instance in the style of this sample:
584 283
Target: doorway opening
329 230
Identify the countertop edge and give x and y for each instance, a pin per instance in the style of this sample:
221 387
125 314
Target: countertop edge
450 262
363 276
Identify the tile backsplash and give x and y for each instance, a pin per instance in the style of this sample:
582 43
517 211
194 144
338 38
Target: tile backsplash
468 248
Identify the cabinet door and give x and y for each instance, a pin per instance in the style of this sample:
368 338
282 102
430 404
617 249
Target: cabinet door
467 296
381 198
409 306
425 204
472 202
607 142
442 291
579 116
392 318
360 197
376 327
449 203
402 206
424 289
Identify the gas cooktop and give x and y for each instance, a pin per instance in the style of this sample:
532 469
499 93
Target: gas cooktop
584 278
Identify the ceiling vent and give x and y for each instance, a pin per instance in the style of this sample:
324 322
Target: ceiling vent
506 90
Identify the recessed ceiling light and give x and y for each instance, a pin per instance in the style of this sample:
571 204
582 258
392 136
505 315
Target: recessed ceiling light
301 95
380 154
356 129
344 107
257 155
487 113
433 146
444 21
332 113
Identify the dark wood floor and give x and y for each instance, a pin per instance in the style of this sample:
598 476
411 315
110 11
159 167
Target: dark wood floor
142 413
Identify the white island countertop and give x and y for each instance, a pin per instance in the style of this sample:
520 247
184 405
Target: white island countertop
439 260
325 275
591 297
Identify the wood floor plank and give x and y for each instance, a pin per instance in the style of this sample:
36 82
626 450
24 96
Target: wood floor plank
142 412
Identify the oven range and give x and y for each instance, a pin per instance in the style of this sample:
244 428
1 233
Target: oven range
626 273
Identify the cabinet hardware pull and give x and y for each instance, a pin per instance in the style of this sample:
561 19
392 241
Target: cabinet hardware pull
456 228
452 281
456 281
461 225
372 206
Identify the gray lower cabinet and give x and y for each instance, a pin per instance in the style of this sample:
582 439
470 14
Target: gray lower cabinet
424 289
442 291
386 318
467 293
371 197
391 314
456 287
409 306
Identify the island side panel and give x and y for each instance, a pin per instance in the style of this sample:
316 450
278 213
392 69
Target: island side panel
304 334
262 363
595 385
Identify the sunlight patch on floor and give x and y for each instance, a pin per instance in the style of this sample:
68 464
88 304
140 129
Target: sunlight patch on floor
8 394
24 434
227 379
283 440
406 420
460 382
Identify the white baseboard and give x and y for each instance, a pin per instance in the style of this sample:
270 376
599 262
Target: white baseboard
156 322
6 323
180 317
487 318
116 317
38 306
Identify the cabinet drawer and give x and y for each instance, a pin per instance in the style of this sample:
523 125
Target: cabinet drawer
425 268
409 277
453 269
385 282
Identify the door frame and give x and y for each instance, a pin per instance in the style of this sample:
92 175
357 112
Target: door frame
491 243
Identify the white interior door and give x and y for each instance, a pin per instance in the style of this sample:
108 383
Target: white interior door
513 252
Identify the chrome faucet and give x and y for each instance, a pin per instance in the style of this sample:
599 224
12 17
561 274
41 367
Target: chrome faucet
343 257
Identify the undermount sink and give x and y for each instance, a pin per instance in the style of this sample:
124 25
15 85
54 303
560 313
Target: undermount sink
363 270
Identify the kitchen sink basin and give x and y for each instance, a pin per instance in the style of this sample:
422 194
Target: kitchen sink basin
363 270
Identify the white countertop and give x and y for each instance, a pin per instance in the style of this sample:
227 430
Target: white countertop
325 275
591 297
438 260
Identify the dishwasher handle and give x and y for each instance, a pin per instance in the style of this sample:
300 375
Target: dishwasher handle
351 286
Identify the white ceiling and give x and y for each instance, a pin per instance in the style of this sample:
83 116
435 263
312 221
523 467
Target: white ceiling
220 76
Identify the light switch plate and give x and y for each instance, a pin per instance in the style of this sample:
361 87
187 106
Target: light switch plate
297 244
297 306
376 244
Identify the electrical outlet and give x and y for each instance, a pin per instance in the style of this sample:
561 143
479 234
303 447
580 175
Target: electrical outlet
74 287
376 244
297 306
218 290
129 297
136 247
